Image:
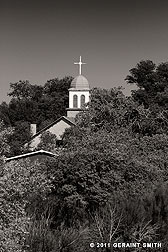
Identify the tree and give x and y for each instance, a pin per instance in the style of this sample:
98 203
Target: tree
5 133
21 134
33 104
21 183
104 155
48 142
103 159
24 90
4 114
152 82
56 97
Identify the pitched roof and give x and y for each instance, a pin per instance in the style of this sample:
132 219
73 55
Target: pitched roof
31 154
68 120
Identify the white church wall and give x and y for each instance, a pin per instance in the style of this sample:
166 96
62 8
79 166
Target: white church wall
34 142
72 113
59 128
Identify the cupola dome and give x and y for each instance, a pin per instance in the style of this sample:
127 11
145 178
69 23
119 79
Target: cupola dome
79 83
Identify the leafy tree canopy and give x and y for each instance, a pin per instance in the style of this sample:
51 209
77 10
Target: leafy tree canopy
107 155
152 81
33 104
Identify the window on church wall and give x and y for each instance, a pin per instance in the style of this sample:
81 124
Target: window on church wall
75 101
82 100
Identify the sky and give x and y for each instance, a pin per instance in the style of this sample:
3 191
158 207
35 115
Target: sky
41 40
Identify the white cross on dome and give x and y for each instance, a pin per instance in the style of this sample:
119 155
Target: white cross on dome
80 63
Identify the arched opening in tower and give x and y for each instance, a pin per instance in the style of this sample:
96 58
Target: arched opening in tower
75 101
82 101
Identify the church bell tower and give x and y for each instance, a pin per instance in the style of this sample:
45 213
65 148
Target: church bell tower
78 93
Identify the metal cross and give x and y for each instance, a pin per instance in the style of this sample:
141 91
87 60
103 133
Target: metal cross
80 63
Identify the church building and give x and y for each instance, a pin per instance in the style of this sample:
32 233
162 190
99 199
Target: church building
78 96
79 92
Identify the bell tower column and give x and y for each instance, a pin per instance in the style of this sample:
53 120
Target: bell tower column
78 93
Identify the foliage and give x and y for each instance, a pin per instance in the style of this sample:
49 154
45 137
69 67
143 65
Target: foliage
48 142
105 164
111 111
152 82
20 182
109 182
124 220
5 134
61 239
105 156
4 113
33 104
21 134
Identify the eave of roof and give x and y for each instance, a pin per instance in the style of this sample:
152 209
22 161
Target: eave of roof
79 89
30 154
